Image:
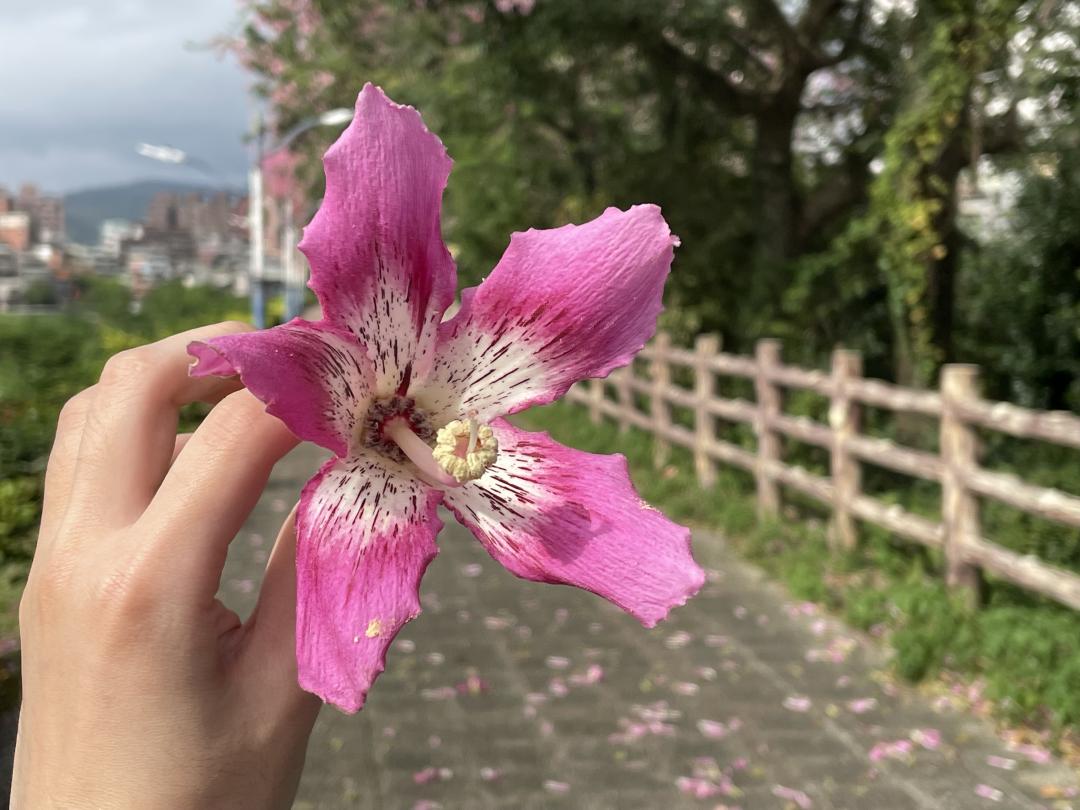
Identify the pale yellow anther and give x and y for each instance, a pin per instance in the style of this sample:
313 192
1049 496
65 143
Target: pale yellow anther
464 449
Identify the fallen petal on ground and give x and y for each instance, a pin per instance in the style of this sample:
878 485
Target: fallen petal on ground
792 795
987 792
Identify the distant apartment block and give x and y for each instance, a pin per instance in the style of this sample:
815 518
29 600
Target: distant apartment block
185 231
115 232
44 216
207 218
15 230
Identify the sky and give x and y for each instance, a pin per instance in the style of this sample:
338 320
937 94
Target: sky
81 82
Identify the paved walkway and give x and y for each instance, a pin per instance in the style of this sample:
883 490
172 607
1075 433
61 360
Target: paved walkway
510 694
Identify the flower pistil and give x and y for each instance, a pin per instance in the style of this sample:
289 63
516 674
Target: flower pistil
465 449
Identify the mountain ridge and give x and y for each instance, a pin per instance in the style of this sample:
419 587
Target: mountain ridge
86 209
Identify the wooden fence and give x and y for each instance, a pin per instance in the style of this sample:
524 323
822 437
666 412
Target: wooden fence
957 407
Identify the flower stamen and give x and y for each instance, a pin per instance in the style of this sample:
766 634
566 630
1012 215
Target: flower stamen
465 449
419 453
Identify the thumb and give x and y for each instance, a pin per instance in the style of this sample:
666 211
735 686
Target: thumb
271 643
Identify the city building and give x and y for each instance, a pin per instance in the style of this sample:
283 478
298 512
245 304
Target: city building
115 232
11 284
46 214
202 236
15 230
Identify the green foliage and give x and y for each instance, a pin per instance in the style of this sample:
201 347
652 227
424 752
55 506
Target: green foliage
40 293
1022 646
46 359
1021 320
757 144
911 199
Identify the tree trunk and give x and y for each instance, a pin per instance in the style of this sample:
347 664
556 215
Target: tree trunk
776 200
941 276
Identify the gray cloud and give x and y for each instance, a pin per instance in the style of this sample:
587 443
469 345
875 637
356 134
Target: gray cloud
82 82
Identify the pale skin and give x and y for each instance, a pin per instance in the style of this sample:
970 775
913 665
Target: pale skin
140 689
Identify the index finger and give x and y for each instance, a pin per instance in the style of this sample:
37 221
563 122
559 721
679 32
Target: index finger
129 432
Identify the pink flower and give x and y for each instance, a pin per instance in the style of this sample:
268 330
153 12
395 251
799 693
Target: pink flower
279 172
412 406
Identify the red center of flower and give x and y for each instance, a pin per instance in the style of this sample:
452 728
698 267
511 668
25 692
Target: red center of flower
381 413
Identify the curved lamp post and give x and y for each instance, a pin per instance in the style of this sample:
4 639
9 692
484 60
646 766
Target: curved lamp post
293 272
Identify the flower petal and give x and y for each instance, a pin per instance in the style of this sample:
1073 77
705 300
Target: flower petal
313 377
365 534
378 263
553 514
561 305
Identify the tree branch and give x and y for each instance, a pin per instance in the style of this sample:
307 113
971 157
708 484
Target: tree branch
714 85
831 200
813 20
772 13
1002 133
999 135
850 42
752 56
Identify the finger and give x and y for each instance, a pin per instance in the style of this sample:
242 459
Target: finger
273 622
129 435
60 472
209 492
181 441
271 628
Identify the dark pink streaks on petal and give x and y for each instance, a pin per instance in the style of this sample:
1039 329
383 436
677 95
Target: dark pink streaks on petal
378 262
365 534
552 514
312 376
561 305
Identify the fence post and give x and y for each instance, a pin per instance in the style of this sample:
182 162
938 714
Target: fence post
705 348
844 467
767 354
959 506
625 398
661 412
596 396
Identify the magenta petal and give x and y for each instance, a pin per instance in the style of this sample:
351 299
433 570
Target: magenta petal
561 305
365 534
378 263
553 514
313 377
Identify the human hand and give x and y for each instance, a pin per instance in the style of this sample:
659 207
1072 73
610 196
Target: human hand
140 689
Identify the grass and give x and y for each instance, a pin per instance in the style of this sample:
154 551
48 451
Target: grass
1022 647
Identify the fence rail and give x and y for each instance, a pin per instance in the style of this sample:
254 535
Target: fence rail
958 408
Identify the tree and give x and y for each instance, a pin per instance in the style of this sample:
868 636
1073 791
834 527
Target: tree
754 123
913 201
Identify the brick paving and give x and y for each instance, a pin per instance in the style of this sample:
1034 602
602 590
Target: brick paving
510 694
